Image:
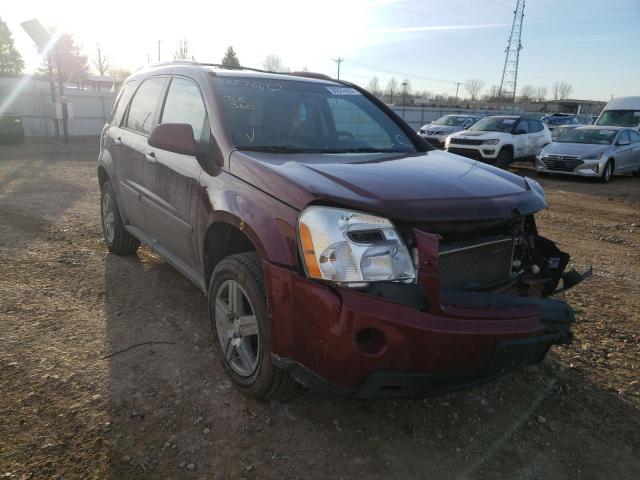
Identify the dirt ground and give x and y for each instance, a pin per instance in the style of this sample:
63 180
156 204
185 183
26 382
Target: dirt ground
71 406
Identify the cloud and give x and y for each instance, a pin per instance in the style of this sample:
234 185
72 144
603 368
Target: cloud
438 28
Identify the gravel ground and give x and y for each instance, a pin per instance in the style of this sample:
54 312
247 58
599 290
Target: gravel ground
75 404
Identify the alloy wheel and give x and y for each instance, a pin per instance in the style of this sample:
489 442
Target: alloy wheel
237 328
108 217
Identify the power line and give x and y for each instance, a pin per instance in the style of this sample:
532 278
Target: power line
397 72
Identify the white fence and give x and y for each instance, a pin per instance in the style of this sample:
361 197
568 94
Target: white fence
89 109
31 99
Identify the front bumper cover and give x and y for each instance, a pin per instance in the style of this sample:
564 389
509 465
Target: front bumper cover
435 340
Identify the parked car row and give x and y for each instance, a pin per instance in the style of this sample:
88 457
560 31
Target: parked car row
558 143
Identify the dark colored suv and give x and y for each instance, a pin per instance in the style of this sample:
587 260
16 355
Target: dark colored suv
335 246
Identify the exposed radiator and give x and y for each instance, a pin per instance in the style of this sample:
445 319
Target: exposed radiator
476 265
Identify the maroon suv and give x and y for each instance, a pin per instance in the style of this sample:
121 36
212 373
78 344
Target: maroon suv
335 246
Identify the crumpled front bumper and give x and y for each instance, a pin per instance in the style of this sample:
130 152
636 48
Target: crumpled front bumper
435 342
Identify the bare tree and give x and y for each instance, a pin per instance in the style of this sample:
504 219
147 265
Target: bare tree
119 73
541 94
492 95
272 63
374 86
182 53
527 93
561 90
101 61
392 89
474 86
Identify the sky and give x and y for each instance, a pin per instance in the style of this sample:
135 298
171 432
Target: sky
591 44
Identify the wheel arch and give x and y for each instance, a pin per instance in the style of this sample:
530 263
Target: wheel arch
227 235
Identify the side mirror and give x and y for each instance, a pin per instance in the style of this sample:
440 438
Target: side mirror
174 137
623 143
466 127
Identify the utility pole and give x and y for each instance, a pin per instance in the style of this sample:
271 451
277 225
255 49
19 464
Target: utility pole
159 42
338 61
457 88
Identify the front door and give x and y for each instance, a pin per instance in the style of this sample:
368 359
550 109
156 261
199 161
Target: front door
171 216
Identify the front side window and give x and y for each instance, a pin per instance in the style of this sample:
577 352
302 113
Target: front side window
296 116
184 105
143 105
634 136
624 139
122 102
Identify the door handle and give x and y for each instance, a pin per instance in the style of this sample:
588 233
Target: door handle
150 157
117 141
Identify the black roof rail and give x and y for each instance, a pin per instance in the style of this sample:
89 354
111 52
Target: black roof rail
319 76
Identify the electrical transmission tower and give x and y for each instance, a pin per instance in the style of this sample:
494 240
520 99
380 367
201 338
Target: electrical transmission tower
510 70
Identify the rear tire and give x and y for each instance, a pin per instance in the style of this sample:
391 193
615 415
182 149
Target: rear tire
239 322
116 237
607 172
504 159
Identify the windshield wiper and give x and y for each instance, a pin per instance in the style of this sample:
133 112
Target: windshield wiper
368 150
279 149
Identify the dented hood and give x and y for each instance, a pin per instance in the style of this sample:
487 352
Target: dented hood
429 186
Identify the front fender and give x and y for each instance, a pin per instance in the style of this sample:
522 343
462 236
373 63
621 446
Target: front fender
268 222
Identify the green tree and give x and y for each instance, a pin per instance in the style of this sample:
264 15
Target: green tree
68 60
230 58
10 59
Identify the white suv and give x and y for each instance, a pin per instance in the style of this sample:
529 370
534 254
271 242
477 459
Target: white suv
500 139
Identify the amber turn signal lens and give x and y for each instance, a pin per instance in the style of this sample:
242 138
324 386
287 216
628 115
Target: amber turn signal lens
308 252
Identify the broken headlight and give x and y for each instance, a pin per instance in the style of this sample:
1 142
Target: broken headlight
351 247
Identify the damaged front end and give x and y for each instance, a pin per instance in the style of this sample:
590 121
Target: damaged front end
493 266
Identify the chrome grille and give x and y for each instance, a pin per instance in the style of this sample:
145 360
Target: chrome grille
476 265
466 141
561 163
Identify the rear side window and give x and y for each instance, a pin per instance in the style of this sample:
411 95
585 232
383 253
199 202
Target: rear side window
122 102
143 105
184 105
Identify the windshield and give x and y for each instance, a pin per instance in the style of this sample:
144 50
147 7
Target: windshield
289 116
494 124
451 121
560 120
595 136
619 118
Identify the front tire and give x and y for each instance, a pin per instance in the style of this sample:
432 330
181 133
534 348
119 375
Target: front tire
504 159
116 237
607 173
238 315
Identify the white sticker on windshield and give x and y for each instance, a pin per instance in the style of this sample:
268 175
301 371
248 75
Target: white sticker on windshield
343 91
509 121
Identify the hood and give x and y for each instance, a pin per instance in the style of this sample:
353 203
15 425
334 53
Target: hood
574 149
442 128
424 187
479 135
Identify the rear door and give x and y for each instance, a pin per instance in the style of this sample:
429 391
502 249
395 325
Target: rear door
112 143
172 212
538 136
135 184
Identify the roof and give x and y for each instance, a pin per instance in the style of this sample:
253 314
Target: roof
602 127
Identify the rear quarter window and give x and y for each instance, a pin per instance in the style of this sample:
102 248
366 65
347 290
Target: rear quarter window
121 102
